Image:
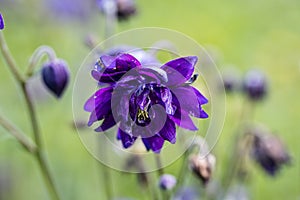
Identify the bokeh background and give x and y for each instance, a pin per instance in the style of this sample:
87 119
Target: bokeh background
246 34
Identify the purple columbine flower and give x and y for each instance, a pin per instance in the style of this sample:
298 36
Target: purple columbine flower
145 101
55 75
1 22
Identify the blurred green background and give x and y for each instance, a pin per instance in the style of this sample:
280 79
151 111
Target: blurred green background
244 33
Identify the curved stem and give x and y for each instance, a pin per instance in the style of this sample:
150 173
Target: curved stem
39 153
37 55
18 135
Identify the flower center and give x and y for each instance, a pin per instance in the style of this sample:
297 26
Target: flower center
143 117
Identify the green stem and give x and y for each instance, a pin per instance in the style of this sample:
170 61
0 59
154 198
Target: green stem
107 183
18 135
238 154
160 169
39 153
9 59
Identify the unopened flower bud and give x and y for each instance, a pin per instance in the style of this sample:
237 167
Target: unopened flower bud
125 8
167 182
202 166
1 22
56 76
269 152
255 85
231 81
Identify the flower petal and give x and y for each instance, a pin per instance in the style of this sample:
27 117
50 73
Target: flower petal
99 104
154 143
180 70
182 119
202 99
127 140
107 123
189 99
168 132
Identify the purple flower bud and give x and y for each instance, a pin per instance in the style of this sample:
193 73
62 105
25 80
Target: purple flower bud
203 167
125 8
167 182
56 76
231 81
269 151
1 22
255 85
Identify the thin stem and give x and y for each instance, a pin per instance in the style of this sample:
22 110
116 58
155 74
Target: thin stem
181 176
107 183
110 10
37 55
238 154
10 60
39 153
160 169
18 135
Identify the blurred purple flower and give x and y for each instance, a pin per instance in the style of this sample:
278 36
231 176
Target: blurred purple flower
187 193
55 75
255 85
269 152
71 9
167 182
1 22
133 92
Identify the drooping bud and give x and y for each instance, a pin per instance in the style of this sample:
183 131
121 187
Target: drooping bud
202 167
255 85
125 8
231 81
55 75
269 152
167 182
1 22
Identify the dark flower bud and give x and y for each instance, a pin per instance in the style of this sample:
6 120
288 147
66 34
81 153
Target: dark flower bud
125 8
231 81
1 22
167 182
202 166
255 85
56 76
269 152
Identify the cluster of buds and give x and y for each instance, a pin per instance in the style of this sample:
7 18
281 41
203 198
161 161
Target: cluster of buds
254 84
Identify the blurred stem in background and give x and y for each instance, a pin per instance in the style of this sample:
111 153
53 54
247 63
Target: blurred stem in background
39 154
240 145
